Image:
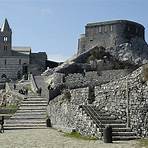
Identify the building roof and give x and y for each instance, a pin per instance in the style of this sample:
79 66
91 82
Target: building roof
21 49
5 26
112 22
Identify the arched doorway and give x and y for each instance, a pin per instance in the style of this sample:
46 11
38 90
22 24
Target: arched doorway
25 69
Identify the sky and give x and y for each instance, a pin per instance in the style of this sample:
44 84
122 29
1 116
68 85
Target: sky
54 26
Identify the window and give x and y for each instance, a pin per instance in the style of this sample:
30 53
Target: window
128 28
136 30
5 39
5 61
19 61
111 28
5 48
100 29
105 28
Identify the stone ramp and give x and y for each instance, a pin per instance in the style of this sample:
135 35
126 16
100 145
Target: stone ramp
103 118
40 83
31 114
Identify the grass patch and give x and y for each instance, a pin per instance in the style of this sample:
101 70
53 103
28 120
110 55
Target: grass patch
79 136
10 109
143 143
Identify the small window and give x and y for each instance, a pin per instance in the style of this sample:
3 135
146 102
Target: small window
5 61
136 30
19 61
5 39
100 29
111 28
105 28
5 48
3 76
128 28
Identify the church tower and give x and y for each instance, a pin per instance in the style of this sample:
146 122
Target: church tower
5 39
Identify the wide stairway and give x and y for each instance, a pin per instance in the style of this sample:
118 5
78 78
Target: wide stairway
102 118
31 114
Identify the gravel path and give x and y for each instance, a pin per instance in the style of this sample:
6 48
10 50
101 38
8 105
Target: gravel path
50 138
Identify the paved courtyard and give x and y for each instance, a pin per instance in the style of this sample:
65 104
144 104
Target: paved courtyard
50 138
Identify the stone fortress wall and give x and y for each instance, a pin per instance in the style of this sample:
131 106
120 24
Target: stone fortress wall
109 34
93 78
112 97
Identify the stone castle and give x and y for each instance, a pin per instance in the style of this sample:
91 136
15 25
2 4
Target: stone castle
18 61
104 84
109 34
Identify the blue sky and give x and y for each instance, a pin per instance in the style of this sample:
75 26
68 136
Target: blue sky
54 26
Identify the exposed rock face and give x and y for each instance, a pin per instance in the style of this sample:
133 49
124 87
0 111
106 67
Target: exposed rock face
135 51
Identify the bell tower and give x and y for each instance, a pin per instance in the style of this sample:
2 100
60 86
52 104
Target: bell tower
5 39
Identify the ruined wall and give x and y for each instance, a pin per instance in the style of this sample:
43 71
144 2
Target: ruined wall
93 78
126 97
66 115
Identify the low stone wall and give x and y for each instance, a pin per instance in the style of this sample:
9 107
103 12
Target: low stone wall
65 114
93 78
126 98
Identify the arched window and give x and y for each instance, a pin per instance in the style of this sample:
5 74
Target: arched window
5 61
3 76
19 61
5 39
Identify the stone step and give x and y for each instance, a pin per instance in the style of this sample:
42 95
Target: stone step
30 121
30 113
34 102
112 122
106 118
35 99
26 127
28 117
121 129
34 105
123 134
116 138
18 125
115 125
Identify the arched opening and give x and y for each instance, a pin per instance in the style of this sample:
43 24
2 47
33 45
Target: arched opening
3 76
25 69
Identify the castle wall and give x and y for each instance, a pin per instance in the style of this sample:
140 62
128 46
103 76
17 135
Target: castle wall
126 97
66 115
109 34
38 62
93 78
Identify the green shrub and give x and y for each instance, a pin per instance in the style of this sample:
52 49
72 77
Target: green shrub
79 136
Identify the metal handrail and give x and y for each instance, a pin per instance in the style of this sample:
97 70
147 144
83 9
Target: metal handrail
91 114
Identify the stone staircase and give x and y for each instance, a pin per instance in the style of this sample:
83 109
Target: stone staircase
31 114
102 118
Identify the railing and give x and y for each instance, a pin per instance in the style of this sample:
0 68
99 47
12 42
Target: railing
94 116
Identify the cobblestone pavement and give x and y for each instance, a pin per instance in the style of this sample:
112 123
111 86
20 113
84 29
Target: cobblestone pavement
50 138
